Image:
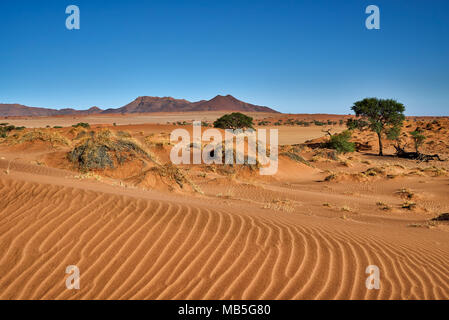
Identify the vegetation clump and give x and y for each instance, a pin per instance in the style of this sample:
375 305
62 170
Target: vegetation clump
341 143
442 217
45 135
5 129
418 139
296 157
235 120
101 150
82 125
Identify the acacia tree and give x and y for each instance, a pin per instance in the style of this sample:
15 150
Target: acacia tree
418 139
382 115
235 120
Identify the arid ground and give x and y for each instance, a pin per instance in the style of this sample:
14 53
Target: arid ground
146 229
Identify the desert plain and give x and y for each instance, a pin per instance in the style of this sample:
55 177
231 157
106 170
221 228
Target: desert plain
147 229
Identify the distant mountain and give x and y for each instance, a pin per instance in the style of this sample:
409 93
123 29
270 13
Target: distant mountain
227 103
18 110
167 104
152 104
141 105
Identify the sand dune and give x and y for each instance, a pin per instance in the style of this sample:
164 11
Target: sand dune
146 246
144 230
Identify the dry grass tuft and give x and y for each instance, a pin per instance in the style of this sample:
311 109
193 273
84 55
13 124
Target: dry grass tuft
280 205
45 135
383 206
409 205
405 193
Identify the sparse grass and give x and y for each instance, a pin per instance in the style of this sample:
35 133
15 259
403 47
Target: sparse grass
88 175
427 225
405 193
45 135
437 172
296 157
374 171
227 195
172 172
409 205
331 177
345 163
383 206
279 205
123 134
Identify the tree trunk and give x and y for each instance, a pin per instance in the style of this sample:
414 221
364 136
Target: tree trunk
381 153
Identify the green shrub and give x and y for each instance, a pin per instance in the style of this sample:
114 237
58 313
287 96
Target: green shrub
5 129
82 125
341 143
418 138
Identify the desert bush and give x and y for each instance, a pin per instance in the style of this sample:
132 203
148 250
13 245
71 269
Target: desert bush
418 139
45 135
341 143
5 129
102 150
82 125
235 120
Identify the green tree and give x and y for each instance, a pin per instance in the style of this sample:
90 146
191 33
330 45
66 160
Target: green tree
353 124
418 139
381 114
235 120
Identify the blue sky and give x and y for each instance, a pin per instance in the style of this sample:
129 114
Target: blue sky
295 56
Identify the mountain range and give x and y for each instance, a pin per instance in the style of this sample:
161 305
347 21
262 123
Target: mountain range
143 104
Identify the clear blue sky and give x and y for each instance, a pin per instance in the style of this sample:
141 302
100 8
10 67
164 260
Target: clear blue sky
296 56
